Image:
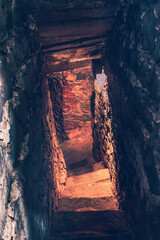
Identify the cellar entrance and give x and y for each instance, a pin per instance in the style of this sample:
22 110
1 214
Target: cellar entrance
87 195
73 37
74 94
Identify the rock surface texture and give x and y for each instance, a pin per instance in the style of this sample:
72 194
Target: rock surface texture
134 96
25 189
20 60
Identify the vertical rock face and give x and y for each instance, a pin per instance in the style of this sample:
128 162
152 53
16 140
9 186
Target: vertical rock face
72 111
134 96
23 188
77 87
53 156
104 147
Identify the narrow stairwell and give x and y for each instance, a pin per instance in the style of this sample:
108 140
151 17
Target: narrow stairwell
88 192
88 209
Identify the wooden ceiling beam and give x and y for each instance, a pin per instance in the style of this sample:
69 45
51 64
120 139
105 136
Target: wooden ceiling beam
80 43
53 15
36 6
74 54
66 65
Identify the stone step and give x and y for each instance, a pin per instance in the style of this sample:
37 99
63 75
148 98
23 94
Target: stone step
76 170
89 178
101 189
93 222
122 236
77 165
87 204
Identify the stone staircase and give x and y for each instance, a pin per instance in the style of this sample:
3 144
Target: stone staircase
88 192
124 236
88 209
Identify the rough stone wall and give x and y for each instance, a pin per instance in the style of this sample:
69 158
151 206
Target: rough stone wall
133 53
54 160
76 87
23 192
104 146
72 112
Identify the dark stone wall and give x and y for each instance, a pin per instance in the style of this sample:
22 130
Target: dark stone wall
53 156
24 204
134 93
104 146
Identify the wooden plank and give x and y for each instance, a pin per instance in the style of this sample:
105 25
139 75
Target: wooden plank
77 28
75 54
64 66
51 15
59 33
72 4
51 43
75 44
98 56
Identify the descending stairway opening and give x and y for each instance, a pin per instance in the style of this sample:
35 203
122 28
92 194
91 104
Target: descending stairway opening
87 178
87 205
84 200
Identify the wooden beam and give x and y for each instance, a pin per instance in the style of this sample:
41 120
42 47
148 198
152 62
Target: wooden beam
65 66
74 54
56 33
52 15
83 42
51 44
81 27
36 6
